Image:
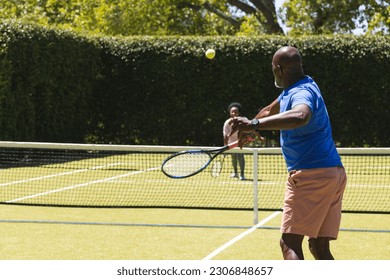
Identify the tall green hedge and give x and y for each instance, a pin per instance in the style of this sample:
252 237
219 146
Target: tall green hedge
59 86
47 79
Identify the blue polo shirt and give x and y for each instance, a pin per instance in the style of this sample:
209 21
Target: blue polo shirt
311 145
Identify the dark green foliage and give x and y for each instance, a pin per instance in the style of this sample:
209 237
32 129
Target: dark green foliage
58 86
46 84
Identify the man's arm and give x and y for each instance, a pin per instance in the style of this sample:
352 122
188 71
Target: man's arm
269 110
298 116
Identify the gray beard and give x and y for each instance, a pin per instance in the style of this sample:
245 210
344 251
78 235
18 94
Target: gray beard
276 85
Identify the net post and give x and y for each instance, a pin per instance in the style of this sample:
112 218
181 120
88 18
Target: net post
255 186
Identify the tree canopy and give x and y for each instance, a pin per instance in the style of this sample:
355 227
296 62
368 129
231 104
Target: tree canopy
203 17
336 16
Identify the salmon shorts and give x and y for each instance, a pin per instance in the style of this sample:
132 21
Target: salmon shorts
312 202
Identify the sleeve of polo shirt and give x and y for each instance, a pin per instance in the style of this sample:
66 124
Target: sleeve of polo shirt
303 97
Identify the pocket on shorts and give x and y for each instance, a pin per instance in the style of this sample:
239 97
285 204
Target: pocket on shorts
293 177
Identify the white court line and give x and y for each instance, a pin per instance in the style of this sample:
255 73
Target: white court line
81 185
57 175
242 235
365 186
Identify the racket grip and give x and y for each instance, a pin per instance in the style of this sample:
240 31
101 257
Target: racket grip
233 145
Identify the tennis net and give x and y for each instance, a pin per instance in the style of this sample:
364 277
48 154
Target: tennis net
86 175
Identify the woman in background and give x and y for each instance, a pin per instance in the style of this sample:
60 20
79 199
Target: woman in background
234 110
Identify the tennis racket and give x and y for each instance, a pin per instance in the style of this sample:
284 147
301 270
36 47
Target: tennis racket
189 163
216 168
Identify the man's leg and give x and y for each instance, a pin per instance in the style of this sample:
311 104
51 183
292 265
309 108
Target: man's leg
319 248
291 245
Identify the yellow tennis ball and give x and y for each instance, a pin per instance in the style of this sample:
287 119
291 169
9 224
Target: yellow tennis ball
210 53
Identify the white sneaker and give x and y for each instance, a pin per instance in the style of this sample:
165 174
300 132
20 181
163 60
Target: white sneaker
242 177
233 175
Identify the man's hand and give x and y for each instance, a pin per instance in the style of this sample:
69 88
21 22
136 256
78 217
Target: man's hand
240 124
246 132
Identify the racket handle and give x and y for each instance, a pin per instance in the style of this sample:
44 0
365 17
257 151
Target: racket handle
235 143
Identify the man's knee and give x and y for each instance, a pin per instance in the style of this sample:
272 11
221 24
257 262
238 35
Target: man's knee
320 249
291 245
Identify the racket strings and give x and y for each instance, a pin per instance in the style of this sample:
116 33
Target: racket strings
186 164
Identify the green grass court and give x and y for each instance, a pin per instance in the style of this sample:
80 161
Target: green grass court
42 233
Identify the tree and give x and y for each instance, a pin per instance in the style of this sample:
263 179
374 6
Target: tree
146 17
263 11
335 16
202 17
378 19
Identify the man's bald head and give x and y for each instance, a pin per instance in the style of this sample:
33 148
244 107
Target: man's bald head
288 57
287 66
